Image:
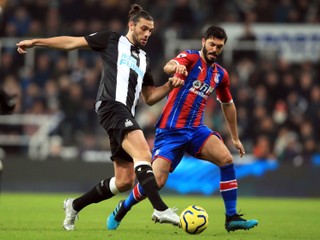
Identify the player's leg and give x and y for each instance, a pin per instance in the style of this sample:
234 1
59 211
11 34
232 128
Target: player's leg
121 182
123 164
161 169
215 151
124 206
220 155
168 152
135 144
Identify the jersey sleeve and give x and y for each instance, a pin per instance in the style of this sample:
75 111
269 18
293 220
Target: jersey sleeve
186 58
148 78
223 90
183 58
99 40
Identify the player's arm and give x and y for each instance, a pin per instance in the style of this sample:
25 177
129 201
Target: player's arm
173 67
230 113
152 94
62 43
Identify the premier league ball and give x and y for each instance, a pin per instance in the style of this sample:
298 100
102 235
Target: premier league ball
194 219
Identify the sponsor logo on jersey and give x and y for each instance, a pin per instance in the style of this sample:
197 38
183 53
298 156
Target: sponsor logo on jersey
131 62
128 123
201 89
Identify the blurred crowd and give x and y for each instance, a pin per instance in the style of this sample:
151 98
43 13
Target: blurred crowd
278 102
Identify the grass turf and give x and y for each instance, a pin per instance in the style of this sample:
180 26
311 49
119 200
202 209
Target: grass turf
39 216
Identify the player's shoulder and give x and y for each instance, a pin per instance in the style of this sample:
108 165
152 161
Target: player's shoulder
220 69
113 34
192 51
189 54
104 34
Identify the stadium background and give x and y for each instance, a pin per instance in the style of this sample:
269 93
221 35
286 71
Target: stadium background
54 143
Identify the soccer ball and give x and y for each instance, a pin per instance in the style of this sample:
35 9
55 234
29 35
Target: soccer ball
194 219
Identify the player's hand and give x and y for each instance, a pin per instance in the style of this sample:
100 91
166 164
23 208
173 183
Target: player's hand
180 70
23 45
176 81
240 147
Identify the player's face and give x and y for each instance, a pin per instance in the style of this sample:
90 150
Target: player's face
211 49
141 31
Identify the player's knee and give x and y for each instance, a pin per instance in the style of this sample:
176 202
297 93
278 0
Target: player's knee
226 159
144 151
161 178
161 182
143 156
125 184
147 155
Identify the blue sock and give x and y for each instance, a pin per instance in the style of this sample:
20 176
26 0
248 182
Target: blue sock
229 188
136 196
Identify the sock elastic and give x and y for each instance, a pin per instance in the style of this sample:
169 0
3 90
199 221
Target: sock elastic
147 181
97 194
229 188
113 187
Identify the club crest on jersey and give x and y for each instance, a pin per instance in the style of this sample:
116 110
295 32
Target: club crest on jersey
128 123
201 89
216 78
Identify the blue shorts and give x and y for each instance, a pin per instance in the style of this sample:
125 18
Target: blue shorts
172 144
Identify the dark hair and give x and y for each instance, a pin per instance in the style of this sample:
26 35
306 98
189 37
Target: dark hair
215 32
136 12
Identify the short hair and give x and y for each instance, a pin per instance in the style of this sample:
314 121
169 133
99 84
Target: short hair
215 32
136 12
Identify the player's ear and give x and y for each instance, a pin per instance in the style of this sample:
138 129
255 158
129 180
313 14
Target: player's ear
203 41
131 25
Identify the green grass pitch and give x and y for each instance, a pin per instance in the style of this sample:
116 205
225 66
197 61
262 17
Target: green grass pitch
39 216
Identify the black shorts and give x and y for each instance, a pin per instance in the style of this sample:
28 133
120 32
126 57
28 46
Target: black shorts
117 119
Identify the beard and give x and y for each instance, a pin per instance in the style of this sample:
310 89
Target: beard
136 41
205 54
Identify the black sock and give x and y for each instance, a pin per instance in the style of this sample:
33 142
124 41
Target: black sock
148 182
97 194
121 213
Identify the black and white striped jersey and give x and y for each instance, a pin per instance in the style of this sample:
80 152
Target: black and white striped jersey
125 69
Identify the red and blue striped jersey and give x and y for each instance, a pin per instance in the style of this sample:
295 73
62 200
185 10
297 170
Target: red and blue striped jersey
185 105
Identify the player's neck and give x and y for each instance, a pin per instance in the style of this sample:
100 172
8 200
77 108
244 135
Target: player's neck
130 39
204 59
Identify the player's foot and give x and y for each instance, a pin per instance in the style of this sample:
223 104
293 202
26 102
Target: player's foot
116 216
71 215
236 222
167 216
